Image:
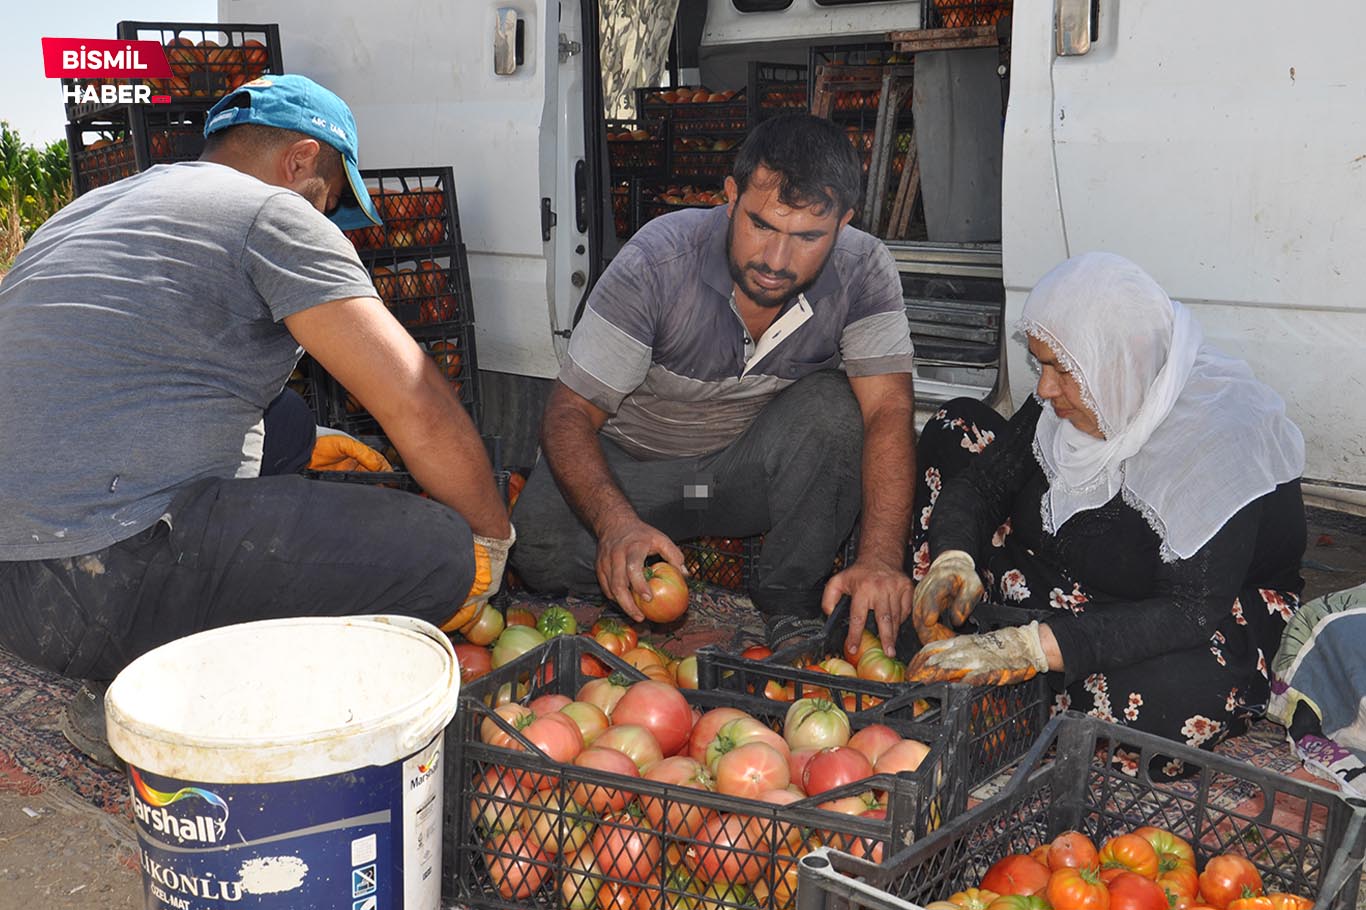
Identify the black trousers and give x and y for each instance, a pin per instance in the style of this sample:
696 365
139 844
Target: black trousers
793 475
236 550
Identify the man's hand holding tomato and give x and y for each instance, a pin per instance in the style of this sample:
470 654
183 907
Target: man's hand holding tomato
879 595
624 543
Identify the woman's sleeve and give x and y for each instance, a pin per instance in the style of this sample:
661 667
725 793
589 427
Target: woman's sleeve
972 505
1190 598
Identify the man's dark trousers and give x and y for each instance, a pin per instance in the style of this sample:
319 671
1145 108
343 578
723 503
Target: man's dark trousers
793 476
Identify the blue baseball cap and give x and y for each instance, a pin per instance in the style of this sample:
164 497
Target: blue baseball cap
297 103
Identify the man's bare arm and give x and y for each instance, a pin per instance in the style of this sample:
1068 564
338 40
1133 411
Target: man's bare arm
360 343
569 438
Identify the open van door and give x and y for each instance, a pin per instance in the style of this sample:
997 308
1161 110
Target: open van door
494 89
1221 148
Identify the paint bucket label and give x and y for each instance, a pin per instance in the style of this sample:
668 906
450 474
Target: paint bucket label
368 839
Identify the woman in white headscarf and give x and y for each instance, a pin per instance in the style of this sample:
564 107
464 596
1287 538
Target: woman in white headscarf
1145 503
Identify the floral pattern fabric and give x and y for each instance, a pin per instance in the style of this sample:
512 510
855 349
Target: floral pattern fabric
1196 696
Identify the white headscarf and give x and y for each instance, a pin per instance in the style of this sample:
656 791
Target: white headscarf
1190 435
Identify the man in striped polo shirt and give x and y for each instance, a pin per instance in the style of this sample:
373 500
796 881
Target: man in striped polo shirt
738 370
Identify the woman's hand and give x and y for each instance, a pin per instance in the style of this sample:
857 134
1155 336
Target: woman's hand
997 658
951 588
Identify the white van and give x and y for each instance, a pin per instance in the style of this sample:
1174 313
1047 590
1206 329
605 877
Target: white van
1220 145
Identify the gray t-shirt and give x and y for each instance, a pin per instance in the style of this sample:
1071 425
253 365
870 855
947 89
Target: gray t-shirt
140 342
661 346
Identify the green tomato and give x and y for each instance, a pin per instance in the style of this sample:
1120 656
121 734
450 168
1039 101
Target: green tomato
557 621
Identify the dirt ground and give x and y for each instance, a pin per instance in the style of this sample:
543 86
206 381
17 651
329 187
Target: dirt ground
70 856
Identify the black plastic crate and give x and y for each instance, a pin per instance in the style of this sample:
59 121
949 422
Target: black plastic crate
728 561
451 345
776 88
486 787
207 60
1303 838
963 13
683 107
710 157
625 207
637 148
130 138
423 291
418 208
653 201
996 725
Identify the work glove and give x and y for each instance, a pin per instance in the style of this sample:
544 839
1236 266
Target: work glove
950 588
997 658
335 451
490 562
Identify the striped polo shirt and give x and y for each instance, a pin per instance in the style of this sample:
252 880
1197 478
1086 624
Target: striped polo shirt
663 350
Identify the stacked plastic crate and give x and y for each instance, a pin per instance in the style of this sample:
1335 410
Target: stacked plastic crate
108 142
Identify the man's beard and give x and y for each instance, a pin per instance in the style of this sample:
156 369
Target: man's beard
766 299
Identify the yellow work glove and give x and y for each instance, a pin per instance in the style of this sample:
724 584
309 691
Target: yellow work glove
339 452
995 659
950 588
490 562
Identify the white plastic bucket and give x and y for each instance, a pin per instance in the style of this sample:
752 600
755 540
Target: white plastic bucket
289 763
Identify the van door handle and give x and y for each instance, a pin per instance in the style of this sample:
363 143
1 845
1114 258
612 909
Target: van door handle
1075 26
508 47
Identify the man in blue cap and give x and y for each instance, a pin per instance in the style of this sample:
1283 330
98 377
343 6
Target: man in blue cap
148 327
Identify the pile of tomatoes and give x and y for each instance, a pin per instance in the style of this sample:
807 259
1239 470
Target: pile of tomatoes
618 847
1147 869
868 662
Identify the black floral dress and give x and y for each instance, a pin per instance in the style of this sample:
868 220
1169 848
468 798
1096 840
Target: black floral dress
1177 649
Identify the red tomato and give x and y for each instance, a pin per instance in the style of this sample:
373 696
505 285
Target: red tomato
1016 874
1182 881
1171 850
516 867
1228 877
835 767
619 896
704 730
1131 891
600 799
634 741
757 652
731 849
1129 852
677 817
668 593
549 703
751 769
521 616
517 716
814 723
1072 850
1070 888
737 732
614 636
659 708
604 693
903 756
624 848
592 666
474 661
797 760
590 719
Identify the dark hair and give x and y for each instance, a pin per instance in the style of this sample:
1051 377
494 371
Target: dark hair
817 163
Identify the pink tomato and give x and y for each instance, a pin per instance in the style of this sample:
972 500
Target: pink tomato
873 740
599 798
592 722
751 769
632 740
677 817
659 708
705 727
835 767
903 756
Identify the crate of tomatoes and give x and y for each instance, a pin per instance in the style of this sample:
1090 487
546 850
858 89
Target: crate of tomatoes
1083 826
997 725
567 789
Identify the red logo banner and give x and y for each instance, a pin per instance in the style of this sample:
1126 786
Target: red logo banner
102 58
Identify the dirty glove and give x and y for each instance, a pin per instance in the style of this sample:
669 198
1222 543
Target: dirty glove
490 561
997 658
335 451
950 588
